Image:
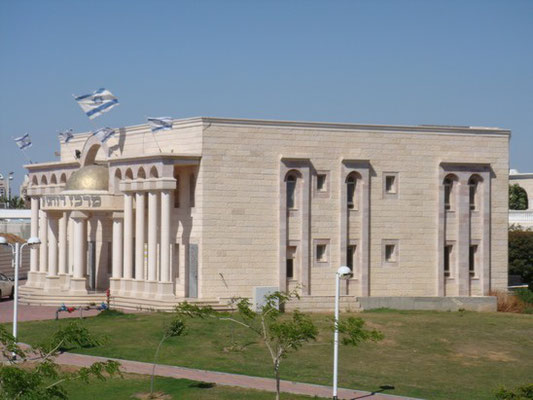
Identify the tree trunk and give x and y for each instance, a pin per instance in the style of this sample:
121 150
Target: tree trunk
276 371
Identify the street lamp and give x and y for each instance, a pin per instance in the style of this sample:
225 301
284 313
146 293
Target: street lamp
10 179
17 251
342 273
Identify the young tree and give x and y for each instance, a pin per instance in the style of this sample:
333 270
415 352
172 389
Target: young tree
281 336
34 375
174 328
517 198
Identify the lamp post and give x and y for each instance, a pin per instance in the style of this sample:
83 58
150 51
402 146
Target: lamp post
9 180
16 250
342 273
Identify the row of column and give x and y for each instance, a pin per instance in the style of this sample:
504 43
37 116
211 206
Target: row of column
123 236
52 257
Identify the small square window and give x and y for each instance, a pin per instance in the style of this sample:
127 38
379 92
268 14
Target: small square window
390 253
321 182
321 253
390 185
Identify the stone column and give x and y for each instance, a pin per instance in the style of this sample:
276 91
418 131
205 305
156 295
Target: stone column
116 272
463 236
128 235
43 250
52 280
139 241
165 236
78 280
70 240
166 285
152 235
34 251
62 263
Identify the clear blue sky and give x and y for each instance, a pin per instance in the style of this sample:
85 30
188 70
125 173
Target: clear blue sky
384 62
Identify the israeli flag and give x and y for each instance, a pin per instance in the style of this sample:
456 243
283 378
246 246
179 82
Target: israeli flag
160 124
104 134
23 142
66 136
96 104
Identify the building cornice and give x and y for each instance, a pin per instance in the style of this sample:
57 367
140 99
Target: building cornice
52 165
154 157
425 129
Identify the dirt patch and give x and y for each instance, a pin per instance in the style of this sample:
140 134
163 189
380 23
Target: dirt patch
152 396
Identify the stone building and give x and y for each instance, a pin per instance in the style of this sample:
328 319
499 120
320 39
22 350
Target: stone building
230 206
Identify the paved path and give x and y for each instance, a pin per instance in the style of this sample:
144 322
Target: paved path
222 378
36 313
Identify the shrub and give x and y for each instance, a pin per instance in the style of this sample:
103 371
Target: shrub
521 254
524 392
525 295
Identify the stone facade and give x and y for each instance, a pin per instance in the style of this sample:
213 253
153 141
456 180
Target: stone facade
231 205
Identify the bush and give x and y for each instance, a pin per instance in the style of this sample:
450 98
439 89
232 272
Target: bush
520 393
521 254
525 295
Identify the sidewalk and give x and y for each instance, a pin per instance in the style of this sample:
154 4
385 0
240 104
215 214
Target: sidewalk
222 378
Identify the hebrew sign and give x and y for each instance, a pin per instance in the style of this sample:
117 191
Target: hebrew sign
80 202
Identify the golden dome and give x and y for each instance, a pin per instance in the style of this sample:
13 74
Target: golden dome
91 177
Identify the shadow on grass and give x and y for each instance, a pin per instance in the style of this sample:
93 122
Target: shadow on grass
202 385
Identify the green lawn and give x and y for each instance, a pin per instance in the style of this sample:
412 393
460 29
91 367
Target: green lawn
432 355
121 389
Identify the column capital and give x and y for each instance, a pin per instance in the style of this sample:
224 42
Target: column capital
117 215
79 215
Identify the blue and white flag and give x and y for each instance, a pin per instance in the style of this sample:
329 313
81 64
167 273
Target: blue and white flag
66 136
104 134
160 124
96 104
23 142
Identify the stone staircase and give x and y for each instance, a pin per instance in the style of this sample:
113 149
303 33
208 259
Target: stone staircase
35 297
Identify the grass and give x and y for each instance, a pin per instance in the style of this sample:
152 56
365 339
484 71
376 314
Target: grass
431 355
183 389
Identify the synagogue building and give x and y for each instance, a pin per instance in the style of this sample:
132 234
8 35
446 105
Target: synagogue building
216 208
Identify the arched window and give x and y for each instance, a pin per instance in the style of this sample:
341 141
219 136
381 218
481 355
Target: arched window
141 174
53 180
291 191
473 188
449 192
116 181
352 191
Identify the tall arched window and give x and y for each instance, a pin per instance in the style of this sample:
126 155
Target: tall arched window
449 195
352 191
473 186
291 191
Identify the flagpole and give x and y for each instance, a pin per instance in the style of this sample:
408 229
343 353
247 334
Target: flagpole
153 135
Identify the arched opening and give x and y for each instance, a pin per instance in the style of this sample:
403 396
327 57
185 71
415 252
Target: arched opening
291 182
474 188
353 183
141 174
53 180
63 178
450 184
44 181
116 180
129 174
34 181
154 173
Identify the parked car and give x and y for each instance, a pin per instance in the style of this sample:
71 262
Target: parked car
7 287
